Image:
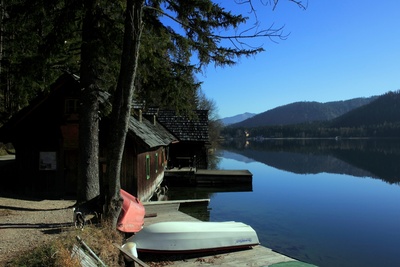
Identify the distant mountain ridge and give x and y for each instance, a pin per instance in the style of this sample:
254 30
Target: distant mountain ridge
237 118
304 112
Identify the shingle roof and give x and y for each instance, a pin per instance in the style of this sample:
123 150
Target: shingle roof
153 135
184 127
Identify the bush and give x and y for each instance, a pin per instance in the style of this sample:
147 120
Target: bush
58 252
47 255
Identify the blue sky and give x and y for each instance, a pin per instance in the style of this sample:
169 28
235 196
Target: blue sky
336 50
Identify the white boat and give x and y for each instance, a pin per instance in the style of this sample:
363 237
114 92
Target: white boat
166 237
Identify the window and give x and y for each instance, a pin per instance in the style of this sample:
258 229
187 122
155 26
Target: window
71 106
147 167
157 163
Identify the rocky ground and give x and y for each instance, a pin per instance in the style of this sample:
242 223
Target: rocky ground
27 223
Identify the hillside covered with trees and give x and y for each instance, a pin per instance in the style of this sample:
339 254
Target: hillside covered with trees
379 118
303 112
384 110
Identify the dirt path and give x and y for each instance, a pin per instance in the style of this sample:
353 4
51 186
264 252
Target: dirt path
25 224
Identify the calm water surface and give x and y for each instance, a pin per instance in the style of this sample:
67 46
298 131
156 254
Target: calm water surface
325 204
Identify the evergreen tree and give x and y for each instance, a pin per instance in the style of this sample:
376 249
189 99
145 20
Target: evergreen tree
198 20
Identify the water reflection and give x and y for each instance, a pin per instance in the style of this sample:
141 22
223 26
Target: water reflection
360 158
309 201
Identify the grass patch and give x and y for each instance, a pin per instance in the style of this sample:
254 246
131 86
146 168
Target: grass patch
58 251
53 253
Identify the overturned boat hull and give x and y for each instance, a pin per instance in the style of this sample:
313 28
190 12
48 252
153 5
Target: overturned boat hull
131 218
186 237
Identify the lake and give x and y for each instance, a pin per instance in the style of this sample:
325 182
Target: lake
325 202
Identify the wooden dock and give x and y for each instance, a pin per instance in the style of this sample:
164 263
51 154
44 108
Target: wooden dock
202 177
256 256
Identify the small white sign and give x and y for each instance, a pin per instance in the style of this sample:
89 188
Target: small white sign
48 161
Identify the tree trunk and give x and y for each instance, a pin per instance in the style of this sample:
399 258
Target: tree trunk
122 107
88 180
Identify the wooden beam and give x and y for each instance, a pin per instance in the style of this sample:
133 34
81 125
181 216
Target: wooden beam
176 202
128 254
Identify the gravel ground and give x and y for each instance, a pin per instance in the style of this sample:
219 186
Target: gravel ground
26 224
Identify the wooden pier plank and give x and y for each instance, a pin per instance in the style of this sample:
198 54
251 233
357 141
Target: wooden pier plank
224 172
208 177
257 256
165 213
166 202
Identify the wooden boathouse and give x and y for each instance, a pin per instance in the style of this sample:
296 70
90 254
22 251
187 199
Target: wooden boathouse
45 137
192 133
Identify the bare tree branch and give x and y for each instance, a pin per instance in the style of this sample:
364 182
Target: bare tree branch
270 32
297 2
273 3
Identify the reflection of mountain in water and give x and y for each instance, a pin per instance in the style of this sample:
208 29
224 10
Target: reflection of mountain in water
305 163
360 158
239 157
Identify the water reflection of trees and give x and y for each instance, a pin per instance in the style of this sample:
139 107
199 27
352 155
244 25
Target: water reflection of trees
214 159
377 158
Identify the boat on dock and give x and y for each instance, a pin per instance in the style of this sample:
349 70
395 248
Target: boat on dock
131 218
191 237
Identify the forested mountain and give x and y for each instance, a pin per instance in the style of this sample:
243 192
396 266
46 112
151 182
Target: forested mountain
238 118
378 118
383 110
303 112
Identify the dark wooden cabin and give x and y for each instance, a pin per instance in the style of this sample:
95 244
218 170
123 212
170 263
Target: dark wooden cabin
192 133
45 138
